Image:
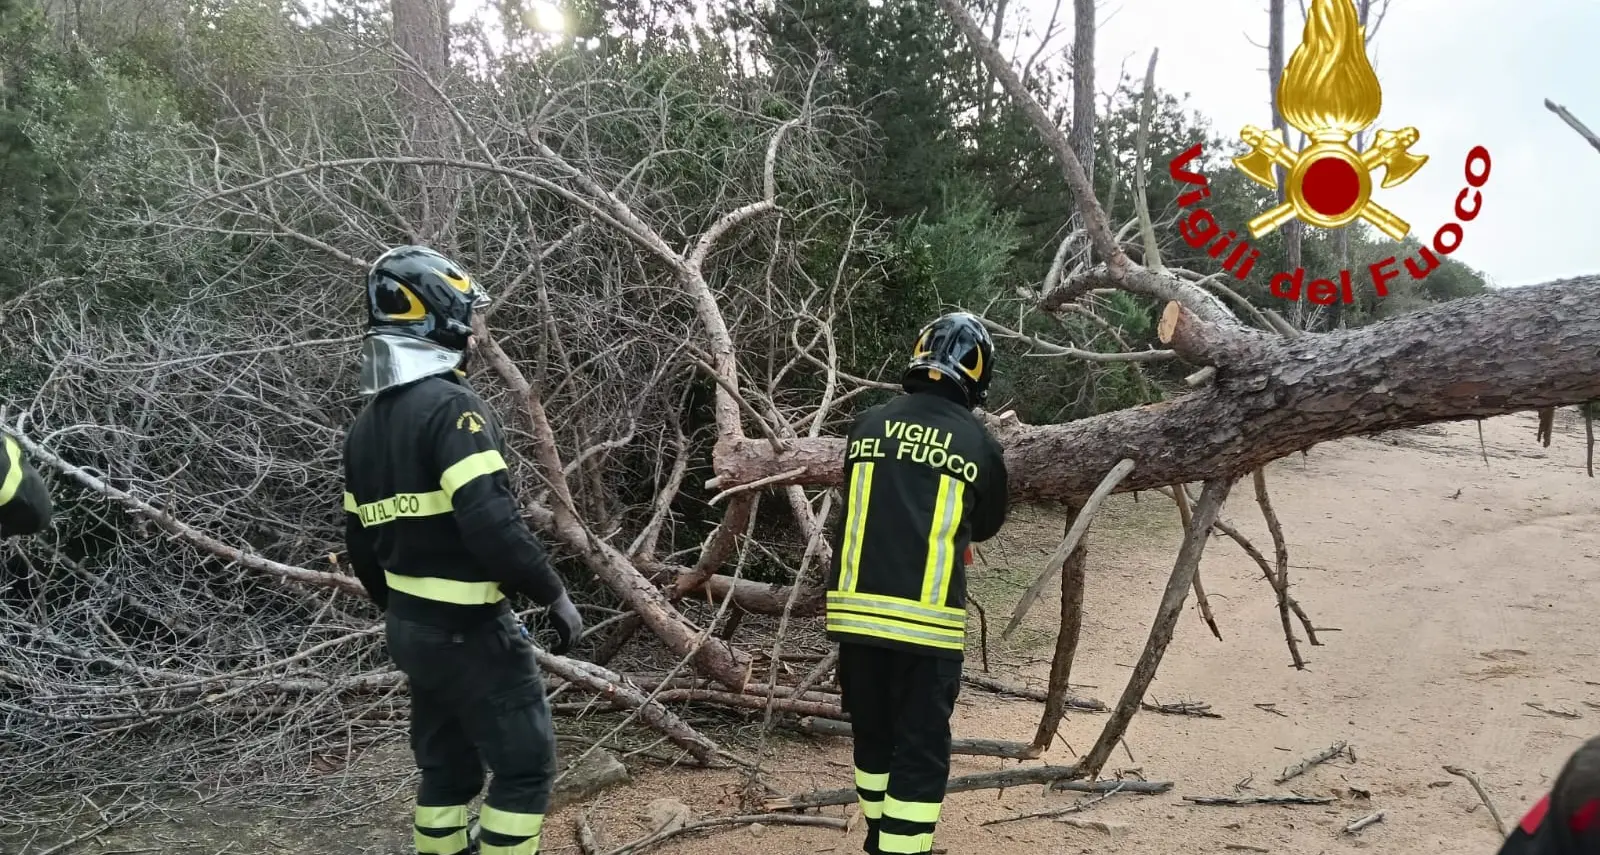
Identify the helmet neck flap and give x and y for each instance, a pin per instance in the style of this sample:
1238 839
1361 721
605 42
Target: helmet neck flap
390 359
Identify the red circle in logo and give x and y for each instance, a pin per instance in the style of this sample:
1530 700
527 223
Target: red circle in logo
1331 186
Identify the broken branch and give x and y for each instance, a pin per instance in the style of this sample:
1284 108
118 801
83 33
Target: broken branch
1080 526
965 783
1316 759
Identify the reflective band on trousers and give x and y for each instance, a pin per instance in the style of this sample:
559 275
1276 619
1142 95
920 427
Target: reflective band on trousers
508 823
451 844
927 812
13 479
451 819
869 792
446 590
904 844
502 825
877 781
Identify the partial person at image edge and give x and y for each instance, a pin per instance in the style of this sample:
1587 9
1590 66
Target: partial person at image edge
24 502
1566 820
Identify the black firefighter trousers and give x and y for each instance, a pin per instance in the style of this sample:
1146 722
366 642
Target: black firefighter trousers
899 705
476 698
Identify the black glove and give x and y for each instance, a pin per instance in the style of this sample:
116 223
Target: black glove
568 624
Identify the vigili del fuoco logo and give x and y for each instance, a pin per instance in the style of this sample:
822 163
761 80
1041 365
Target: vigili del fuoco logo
1330 93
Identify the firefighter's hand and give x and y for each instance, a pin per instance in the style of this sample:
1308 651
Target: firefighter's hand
568 624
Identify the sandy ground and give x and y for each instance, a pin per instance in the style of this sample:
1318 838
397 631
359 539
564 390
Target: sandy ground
1462 592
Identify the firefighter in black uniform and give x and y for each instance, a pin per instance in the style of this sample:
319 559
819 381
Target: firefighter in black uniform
1566 820
24 503
924 480
436 535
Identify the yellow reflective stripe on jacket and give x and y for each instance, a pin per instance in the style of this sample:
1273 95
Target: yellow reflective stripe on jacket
430 504
941 561
890 629
13 477
894 608
446 590
467 468
855 524
399 505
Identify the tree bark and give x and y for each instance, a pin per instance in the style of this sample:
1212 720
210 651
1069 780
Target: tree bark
1513 350
1293 229
973 747
422 31
1073 578
1082 137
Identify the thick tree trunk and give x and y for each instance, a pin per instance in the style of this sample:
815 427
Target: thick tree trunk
1499 353
1292 230
422 31
1082 137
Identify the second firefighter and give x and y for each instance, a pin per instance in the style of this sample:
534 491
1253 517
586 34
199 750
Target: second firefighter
924 480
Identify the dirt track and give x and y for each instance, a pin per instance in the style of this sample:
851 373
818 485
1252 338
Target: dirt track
1462 593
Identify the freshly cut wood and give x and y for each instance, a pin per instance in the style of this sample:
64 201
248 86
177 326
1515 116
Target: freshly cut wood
974 747
1513 350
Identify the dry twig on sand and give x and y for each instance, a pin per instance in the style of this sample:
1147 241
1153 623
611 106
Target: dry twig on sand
965 783
1370 819
1056 812
1472 779
1323 756
668 833
1241 801
1196 709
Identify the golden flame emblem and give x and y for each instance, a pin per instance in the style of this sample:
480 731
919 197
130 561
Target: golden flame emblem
1330 93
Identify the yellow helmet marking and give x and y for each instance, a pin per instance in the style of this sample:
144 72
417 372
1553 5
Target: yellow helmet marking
414 308
977 372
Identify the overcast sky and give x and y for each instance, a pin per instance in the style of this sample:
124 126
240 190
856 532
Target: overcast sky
1463 72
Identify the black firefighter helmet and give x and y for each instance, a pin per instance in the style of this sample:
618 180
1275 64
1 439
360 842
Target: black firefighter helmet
958 347
413 290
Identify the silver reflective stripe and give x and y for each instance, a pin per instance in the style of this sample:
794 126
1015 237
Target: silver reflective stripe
943 536
854 525
896 606
894 630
